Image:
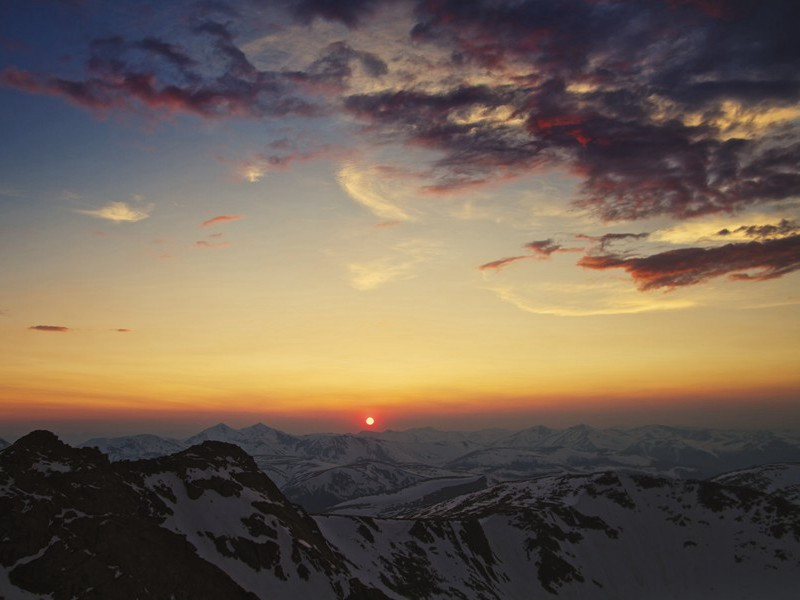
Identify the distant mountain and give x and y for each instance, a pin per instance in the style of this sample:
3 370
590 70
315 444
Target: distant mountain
134 447
321 471
3 444
779 479
207 523
319 489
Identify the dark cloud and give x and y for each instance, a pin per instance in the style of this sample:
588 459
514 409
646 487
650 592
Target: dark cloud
334 67
348 12
784 228
157 75
50 328
122 330
754 261
605 240
655 105
607 90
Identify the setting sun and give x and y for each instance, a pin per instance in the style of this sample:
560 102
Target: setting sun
369 421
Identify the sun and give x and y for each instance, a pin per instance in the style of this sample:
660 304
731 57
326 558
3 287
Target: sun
369 421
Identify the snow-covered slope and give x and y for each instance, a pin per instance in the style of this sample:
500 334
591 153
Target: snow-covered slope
601 536
320 489
780 479
410 499
207 523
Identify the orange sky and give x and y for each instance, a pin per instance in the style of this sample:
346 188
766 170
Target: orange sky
390 223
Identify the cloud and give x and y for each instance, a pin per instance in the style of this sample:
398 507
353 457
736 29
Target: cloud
347 12
541 249
783 229
753 261
641 100
605 240
585 300
221 219
375 189
402 263
544 248
387 224
281 156
681 109
155 75
50 328
496 265
204 244
122 330
120 212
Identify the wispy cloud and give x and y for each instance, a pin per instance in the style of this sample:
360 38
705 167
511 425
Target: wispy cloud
375 190
221 219
50 328
585 300
120 212
403 263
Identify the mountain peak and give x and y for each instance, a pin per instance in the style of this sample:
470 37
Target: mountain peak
40 440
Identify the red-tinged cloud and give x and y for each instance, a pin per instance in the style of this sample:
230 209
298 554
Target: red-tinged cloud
609 89
496 265
541 249
544 248
50 328
387 224
221 219
159 76
753 261
663 108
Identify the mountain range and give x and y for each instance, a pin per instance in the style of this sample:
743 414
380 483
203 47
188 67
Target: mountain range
207 522
323 471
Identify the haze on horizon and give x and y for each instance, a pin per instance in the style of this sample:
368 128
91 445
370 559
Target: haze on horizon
459 215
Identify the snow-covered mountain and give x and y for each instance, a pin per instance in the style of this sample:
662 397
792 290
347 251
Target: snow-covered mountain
320 471
605 535
780 479
134 447
207 523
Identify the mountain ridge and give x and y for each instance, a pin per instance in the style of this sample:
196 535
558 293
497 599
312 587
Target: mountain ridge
77 524
321 471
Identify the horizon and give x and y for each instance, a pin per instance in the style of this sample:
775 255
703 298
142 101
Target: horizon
464 214
79 434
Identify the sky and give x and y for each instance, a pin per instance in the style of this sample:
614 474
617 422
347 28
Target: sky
432 212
